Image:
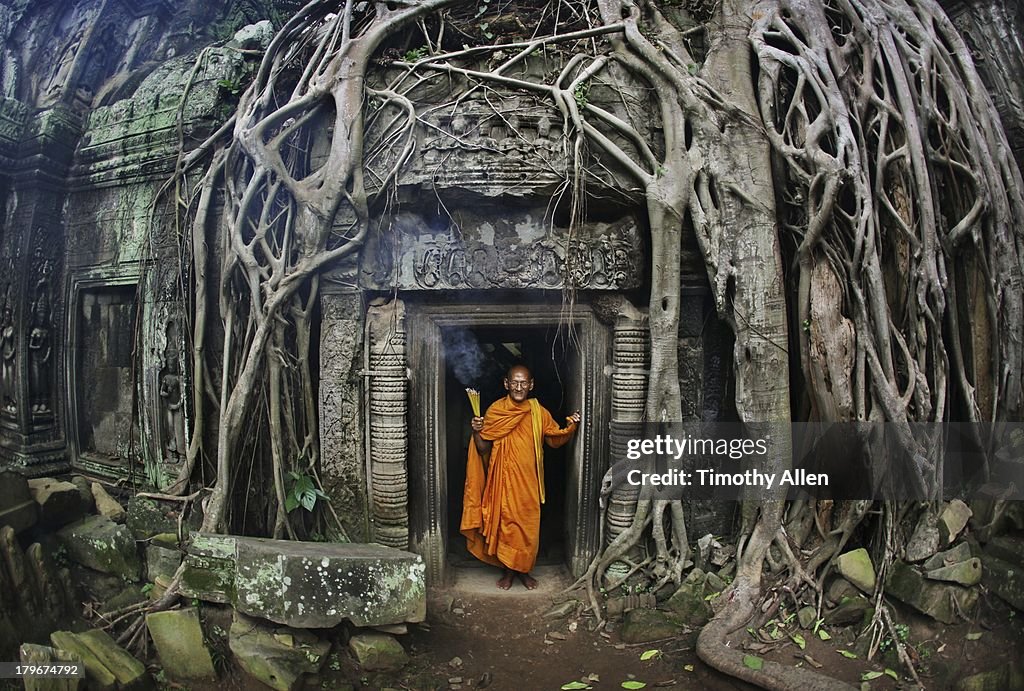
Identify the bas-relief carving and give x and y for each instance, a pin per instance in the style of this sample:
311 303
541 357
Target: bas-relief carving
8 352
40 346
172 392
342 418
605 256
515 152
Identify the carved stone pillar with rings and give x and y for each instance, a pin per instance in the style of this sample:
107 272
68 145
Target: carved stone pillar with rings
389 433
629 392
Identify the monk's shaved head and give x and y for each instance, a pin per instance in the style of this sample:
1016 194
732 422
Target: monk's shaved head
518 368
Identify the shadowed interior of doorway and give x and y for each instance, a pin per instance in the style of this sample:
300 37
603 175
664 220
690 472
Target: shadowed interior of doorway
479 357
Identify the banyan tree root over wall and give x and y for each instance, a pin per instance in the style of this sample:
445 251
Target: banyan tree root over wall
839 164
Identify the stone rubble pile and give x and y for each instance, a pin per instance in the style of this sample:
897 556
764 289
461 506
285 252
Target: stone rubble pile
289 599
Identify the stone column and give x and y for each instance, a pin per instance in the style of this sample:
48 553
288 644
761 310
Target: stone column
630 365
389 432
31 411
342 418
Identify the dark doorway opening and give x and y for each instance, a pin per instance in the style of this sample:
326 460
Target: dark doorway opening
479 357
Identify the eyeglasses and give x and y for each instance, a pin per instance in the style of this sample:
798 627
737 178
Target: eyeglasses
518 385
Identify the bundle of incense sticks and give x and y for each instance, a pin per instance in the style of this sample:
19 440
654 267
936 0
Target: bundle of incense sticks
474 401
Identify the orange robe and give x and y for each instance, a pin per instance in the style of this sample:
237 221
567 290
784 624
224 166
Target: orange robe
501 512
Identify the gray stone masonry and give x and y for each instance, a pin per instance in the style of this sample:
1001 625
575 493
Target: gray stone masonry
307 584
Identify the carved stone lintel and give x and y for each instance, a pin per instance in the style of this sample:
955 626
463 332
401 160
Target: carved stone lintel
389 435
610 257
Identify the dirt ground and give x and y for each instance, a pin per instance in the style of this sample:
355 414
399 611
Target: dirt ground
479 637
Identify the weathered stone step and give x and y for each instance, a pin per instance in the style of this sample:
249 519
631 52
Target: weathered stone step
307 584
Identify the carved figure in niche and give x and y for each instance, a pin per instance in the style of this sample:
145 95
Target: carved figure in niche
53 86
39 346
8 349
172 396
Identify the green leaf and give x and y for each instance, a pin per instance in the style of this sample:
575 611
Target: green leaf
753 662
868 676
648 654
974 636
823 635
711 596
290 503
575 686
799 640
634 684
308 500
892 673
847 654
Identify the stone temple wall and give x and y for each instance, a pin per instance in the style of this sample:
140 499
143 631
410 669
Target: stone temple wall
92 342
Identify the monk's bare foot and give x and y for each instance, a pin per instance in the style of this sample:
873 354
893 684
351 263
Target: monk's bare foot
529 582
505 582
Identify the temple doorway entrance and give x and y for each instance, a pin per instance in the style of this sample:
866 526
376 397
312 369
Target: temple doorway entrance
479 357
455 346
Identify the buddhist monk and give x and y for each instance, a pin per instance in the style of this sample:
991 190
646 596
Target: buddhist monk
505 479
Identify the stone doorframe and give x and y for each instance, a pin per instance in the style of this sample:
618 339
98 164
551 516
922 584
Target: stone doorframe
80 282
428 507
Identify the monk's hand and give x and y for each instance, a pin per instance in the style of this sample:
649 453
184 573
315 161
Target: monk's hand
477 424
574 418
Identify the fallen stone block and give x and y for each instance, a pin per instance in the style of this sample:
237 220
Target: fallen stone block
850 612
31 654
689 603
643 625
377 651
1004 579
178 639
955 555
941 601
840 588
17 507
59 502
278 656
307 584
106 505
100 544
856 567
85 492
146 518
953 519
162 557
1009 549
965 573
129 672
100 678
924 542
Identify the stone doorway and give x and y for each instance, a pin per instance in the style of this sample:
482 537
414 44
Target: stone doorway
478 357
570 374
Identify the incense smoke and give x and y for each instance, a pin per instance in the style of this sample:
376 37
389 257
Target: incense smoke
464 356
